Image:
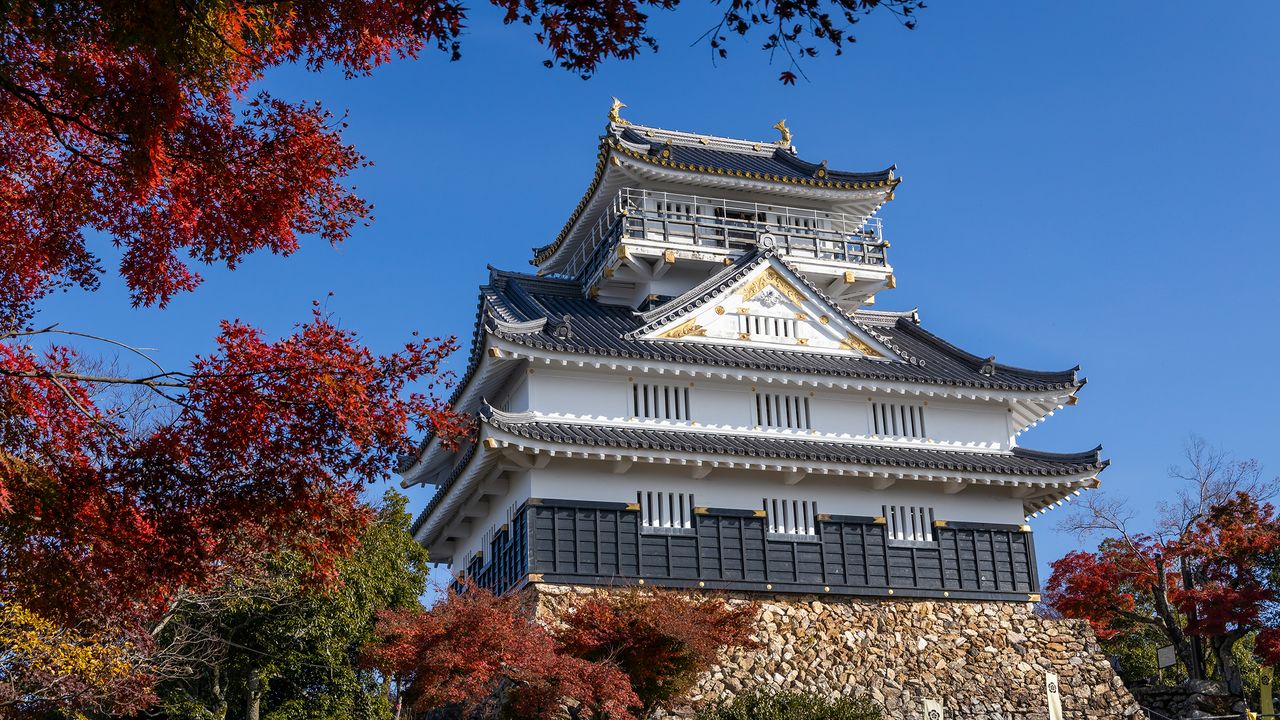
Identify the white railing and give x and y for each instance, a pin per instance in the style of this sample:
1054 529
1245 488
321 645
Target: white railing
716 223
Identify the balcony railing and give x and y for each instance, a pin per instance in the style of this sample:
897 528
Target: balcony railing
715 223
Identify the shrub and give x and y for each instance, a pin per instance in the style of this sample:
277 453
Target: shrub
791 706
660 639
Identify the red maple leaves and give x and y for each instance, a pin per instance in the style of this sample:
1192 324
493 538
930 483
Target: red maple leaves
482 652
614 656
1216 580
267 449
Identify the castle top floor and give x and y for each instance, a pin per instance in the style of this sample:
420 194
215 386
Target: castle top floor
665 210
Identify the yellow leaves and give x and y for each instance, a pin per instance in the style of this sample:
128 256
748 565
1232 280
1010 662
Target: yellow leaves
35 646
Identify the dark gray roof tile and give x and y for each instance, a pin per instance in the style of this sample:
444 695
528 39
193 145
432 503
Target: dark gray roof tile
1021 462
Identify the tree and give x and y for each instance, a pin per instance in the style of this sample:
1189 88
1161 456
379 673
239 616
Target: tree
1208 572
275 648
476 654
608 656
266 453
42 662
138 124
661 640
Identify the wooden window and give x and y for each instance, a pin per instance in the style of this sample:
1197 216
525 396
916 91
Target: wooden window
660 402
898 420
767 327
791 517
668 510
782 411
908 522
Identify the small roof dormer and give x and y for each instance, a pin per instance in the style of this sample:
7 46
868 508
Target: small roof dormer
761 301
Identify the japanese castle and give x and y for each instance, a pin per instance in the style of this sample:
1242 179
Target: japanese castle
695 390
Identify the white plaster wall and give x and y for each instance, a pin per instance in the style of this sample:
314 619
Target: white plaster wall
517 491
516 398
836 495
590 393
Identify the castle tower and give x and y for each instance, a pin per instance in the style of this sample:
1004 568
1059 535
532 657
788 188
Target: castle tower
692 391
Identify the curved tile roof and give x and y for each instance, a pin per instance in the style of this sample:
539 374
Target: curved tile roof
609 331
1022 462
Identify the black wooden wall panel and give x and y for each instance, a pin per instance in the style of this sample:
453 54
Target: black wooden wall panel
604 543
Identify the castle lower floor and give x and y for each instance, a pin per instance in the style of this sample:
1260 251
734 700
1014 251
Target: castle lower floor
901 554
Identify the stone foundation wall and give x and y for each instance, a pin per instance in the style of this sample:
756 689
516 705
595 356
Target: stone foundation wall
983 660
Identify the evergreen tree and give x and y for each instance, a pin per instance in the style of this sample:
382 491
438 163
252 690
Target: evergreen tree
280 648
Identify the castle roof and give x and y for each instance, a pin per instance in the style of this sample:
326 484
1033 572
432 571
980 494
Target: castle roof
1021 465
530 310
1017 461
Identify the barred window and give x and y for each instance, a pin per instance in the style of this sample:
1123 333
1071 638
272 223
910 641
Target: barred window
665 509
898 420
907 522
660 402
791 517
767 327
782 411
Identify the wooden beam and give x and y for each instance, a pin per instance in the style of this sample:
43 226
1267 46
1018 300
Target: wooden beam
520 459
663 264
639 267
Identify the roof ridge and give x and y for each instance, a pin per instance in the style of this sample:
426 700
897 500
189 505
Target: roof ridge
489 412
1093 455
684 137
601 438
978 362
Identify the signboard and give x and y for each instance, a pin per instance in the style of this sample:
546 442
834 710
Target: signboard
1054 696
1166 657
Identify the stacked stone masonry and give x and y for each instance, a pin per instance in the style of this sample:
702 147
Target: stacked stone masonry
983 660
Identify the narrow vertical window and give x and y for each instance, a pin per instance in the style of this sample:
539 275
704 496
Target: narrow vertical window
898 420
660 402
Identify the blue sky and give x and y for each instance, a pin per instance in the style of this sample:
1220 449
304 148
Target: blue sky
1090 183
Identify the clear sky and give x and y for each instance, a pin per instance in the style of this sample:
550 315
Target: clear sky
1092 183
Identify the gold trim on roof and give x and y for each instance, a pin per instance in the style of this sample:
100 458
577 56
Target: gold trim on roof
686 329
811 182
615 113
853 342
771 277
781 126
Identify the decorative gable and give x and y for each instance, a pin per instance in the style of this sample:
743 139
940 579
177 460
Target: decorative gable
761 302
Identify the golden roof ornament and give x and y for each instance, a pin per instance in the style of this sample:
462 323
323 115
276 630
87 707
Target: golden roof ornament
615 115
781 126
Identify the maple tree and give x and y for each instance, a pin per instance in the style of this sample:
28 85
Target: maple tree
482 654
43 661
1207 573
662 640
608 655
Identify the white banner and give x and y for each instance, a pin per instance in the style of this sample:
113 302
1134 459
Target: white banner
932 709
1055 697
